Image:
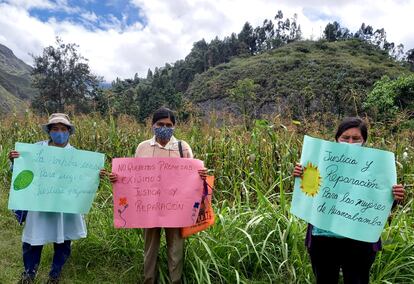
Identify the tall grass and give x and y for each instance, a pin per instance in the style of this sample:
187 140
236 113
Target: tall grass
255 238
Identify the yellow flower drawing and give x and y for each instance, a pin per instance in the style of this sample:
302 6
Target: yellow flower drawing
311 180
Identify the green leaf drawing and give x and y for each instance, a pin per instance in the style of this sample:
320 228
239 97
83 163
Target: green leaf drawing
23 180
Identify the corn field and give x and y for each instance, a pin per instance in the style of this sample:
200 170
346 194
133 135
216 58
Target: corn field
254 240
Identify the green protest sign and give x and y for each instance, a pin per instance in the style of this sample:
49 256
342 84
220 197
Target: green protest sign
54 179
345 188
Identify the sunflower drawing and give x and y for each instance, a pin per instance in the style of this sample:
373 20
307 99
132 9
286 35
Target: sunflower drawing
311 180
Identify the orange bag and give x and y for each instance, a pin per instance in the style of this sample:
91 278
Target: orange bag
206 215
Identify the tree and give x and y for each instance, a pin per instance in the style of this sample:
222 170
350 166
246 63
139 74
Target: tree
410 58
379 38
216 53
365 32
287 31
264 35
124 96
63 78
197 58
244 96
279 39
247 38
149 74
397 52
332 31
390 97
233 45
295 33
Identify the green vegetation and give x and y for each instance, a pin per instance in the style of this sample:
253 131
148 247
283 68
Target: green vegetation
8 101
391 97
244 96
265 71
293 78
288 71
255 238
63 78
301 79
15 85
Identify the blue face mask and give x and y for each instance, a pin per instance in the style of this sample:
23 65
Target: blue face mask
163 133
355 144
59 137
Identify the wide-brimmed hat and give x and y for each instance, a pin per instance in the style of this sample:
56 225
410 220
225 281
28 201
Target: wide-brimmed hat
59 118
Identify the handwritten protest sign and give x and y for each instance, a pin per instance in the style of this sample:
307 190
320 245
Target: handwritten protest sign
54 179
156 192
345 189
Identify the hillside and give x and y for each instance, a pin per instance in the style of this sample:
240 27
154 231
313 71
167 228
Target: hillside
299 79
15 89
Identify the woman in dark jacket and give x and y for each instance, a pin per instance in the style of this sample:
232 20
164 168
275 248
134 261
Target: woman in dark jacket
330 252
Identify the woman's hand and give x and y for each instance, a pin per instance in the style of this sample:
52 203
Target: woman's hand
398 191
298 171
203 173
112 176
102 173
13 155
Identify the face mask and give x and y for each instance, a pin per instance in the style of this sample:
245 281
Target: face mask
163 133
59 137
356 144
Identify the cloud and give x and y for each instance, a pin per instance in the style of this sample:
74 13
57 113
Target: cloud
145 34
29 4
89 16
22 33
315 14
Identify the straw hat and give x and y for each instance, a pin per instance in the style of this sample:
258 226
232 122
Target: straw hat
59 118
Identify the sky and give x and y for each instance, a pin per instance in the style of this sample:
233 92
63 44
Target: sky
124 37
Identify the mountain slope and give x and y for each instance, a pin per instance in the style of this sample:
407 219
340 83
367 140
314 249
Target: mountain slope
15 88
299 79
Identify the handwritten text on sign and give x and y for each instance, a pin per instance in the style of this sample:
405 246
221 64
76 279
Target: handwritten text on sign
156 192
345 189
54 179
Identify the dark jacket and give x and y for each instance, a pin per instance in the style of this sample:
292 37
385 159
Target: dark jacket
308 240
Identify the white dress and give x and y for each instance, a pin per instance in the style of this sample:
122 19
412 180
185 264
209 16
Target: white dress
50 227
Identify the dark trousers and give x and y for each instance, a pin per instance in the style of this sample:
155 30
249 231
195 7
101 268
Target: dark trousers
32 254
329 255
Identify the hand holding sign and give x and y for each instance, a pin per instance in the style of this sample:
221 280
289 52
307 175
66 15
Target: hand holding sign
398 191
13 155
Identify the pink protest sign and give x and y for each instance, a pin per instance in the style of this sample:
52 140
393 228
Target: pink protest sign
156 192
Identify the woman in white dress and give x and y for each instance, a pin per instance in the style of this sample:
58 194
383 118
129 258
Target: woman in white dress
50 227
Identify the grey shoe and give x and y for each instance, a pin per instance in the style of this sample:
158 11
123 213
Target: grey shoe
26 279
52 280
